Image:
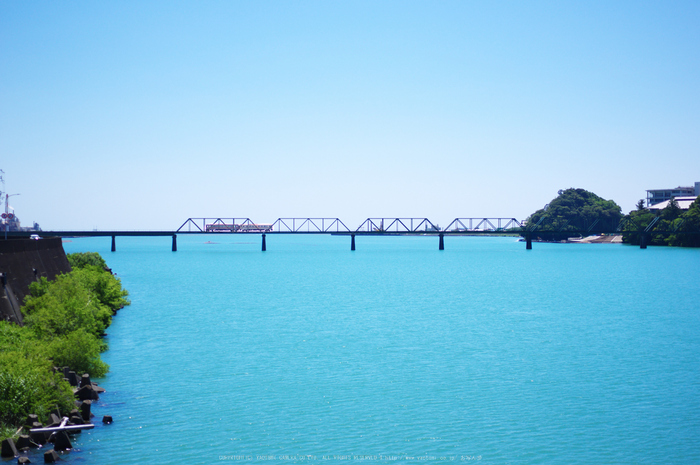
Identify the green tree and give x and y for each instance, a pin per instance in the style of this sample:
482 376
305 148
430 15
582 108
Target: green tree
572 212
65 306
671 211
688 232
106 287
83 259
27 382
80 351
634 224
670 226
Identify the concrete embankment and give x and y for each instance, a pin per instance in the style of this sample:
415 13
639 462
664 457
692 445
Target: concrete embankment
23 261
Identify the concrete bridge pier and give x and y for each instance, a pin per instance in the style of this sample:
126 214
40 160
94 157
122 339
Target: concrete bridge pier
643 241
442 242
114 243
264 247
352 242
528 242
174 242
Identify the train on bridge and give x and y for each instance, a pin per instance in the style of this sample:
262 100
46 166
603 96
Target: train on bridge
236 227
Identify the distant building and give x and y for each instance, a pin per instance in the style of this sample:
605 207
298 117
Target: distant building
656 196
683 203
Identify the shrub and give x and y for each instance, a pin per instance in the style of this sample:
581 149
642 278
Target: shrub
27 383
104 285
83 259
65 306
80 351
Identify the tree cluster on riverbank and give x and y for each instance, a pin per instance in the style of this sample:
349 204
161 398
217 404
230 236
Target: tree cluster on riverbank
65 321
574 211
577 211
670 226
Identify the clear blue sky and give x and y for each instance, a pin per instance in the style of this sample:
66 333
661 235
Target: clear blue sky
138 115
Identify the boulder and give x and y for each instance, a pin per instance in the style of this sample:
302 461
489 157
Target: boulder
38 438
22 460
50 456
24 443
85 410
61 441
85 380
73 379
8 448
86 393
107 419
55 420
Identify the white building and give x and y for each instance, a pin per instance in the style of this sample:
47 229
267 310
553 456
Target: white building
683 203
656 196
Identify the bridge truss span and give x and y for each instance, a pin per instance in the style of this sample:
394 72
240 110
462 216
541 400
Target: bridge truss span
464 225
309 225
396 226
224 225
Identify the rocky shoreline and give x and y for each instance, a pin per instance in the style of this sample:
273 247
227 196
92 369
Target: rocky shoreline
62 428
27 356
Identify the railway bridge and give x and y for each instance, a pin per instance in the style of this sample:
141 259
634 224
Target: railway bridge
473 226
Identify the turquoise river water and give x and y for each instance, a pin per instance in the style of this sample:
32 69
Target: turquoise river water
397 352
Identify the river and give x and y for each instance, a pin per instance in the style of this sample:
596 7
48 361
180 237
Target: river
398 352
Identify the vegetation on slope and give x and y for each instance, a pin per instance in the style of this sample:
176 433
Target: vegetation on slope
572 212
65 320
671 226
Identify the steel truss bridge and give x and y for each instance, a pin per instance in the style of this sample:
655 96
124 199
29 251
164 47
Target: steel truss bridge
388 227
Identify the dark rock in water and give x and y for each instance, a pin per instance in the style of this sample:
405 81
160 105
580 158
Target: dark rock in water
61 441
97 388
38 438
8 448
85 410
73 378
76 420
107 419
85 380
50 456
86 393
24 443
22 460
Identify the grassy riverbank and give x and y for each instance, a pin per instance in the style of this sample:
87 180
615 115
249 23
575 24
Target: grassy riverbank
65 321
